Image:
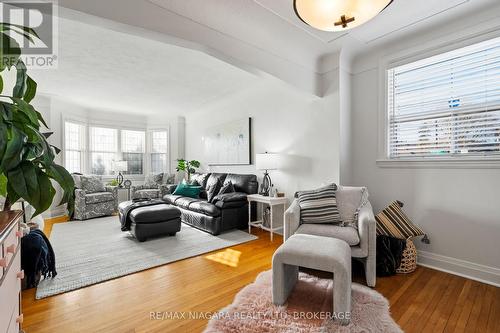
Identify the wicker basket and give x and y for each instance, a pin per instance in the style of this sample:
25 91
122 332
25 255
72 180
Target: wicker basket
409 259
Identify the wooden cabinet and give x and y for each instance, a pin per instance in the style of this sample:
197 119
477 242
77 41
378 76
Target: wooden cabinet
11 274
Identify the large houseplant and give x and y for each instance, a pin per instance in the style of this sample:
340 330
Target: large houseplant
26 158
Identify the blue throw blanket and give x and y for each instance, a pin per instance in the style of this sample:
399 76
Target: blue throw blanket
37 258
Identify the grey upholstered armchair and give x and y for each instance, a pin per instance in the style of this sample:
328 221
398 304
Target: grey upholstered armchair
361 239
154 187
92 198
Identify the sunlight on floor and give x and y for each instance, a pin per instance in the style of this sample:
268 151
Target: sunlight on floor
227 257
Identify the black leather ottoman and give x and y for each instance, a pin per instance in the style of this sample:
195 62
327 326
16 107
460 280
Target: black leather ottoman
155 220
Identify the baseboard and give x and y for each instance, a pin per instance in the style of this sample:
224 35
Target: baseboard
467 269
55 212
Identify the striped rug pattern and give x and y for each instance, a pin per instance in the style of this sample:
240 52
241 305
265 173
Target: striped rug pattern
392 221
319 206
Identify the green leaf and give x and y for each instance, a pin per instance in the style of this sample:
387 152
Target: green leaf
13 152
40 118
30 89
32 184
28 110
21 77
3 140
65 180
1 84
3 185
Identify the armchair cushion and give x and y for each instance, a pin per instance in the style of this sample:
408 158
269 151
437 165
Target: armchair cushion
92 198
153 180
349 202
168 178
319 206
147 193
348 234
92 184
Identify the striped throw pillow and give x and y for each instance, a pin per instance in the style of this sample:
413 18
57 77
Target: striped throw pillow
319 206
392 221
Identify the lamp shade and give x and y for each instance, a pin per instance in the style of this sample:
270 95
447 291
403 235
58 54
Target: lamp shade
121 166
267 161
338 15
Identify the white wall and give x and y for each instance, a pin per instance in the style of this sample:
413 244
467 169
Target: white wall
303 127
458 208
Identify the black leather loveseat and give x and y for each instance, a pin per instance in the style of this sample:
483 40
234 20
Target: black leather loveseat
227 211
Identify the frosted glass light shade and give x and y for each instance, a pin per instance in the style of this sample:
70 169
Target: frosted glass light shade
267 161
338 15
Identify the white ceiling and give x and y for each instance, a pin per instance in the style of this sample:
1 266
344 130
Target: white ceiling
104 69
149 56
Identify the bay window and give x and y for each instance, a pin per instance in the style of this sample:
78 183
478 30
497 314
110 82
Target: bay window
74 146
103 150
108 145
159 150
133 148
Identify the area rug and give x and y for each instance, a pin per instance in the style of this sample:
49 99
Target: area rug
92 251
308 310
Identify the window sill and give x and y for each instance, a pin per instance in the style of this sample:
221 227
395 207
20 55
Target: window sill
441 163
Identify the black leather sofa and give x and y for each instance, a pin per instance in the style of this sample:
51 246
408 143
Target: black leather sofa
226 212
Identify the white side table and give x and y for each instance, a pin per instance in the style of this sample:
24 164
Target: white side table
273 202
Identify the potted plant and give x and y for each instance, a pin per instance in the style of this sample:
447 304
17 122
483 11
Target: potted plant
189 167
26 157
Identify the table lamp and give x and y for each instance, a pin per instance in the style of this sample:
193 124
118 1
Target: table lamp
120 166
266 161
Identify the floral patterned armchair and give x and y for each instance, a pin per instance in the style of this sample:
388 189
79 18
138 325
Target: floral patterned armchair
92 198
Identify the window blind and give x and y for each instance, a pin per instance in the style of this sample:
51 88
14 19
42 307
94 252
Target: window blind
446 105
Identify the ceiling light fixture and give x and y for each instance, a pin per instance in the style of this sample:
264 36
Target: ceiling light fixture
338 15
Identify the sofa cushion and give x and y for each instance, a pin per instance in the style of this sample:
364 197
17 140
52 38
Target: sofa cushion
92 184
214 177
201 178
228 187
243 183
348 234
170 198
184 202
168 178
204 207
92 198
213 188
319 206
349 202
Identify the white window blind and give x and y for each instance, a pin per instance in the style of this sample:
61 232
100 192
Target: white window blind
446 105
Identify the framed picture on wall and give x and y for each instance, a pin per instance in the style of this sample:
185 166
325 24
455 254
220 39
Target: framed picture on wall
228 143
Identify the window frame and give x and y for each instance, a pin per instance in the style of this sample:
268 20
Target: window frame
83 152
87 152
406 57
149 148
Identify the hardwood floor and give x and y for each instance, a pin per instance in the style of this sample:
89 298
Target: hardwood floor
424 301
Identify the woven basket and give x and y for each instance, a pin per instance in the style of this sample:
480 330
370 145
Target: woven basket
409 259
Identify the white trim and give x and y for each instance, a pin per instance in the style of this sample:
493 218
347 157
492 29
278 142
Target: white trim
486 274
437 163
405 57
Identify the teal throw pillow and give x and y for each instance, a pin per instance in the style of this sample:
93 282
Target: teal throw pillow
187 190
